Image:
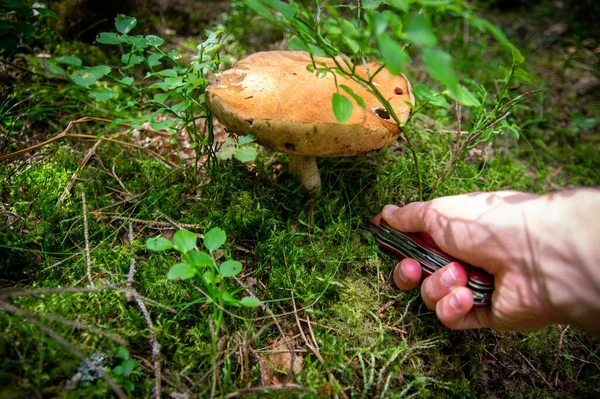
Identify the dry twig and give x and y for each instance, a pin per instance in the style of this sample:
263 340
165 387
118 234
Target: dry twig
88 259
56 337
154 345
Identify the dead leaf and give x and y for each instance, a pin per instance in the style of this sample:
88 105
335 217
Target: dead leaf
279 365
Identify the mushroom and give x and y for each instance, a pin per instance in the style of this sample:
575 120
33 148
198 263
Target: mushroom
273 96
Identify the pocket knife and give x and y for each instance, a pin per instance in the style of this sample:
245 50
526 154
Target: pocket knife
422 248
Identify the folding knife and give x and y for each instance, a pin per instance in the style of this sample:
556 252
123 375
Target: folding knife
422 248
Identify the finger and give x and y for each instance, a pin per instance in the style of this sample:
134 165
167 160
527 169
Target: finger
409 218
442 282
407 274
456 310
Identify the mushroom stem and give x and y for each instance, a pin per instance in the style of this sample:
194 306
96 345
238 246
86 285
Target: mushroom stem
305 167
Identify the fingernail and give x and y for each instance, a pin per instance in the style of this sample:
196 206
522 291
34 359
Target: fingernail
402 275
388 210
455 301
448 277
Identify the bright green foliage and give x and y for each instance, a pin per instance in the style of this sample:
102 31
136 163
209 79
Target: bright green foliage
299 255
393 30
201 263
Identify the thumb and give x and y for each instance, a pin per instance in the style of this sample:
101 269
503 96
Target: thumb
409 218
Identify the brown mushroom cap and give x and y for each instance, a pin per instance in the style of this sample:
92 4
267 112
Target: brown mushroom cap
288 108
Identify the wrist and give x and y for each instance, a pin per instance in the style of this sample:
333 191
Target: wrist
567 255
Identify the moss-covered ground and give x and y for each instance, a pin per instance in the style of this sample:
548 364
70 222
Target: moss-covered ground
324 284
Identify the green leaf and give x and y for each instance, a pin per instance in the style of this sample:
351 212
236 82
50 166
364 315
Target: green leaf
356 97
46 12
228 299
245 154
182 271
128 366
110 38
230 268
131 59
154 41
160 98
514 131
23 27
184 240
103 95
69 60
158 244
125 24
287 10
99 71
439 65
342 107
249 138
419 32
401 5
123 353
83 78
167 123
392 53
523 75
198 258
258 7
214 239
127 80
465 97
210 278
226 152
53 68
378 22
297 44
17 6
138 42
422 92
167 73
250 302
154 59
352 44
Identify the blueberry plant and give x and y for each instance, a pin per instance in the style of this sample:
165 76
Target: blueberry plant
170 92
393 32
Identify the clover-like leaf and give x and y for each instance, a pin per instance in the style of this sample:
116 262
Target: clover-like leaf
158 244
214 239
123 353
182 271
184 240
110 38
125 24
245 154
230 268
69 60
198 258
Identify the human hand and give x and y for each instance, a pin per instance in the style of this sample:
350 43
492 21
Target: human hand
529 243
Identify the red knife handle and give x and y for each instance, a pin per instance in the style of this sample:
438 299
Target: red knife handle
431 258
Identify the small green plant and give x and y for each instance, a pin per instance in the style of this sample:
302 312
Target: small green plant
170 94
123 370
242 149
202 264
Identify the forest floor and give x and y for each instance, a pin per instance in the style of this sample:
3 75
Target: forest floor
79 286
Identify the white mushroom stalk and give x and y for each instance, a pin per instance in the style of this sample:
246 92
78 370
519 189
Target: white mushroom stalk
273 96
305 167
